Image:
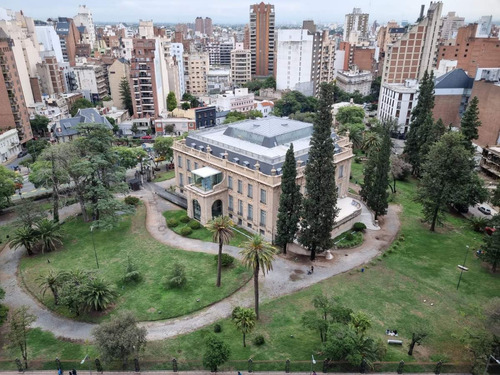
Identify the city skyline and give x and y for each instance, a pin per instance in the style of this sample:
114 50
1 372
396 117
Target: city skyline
222 12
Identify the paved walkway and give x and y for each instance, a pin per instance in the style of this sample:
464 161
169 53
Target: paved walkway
289 274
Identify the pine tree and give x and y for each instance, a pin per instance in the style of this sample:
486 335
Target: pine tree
421 114
125 96
376 180
320 202
290 202
470 122
171 101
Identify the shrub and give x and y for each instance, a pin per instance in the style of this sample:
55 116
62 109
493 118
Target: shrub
177 277
172 223
133 201
359 227
227 260
186 231
217 328
185 219
259 340
194 225
349 236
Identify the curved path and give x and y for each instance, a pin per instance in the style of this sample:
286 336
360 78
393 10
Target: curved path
288 275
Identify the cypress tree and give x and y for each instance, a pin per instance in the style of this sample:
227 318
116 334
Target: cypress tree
320 202
470 122
374 189
290 202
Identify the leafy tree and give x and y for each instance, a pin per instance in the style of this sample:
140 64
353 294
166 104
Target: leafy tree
49 234
234 116
356 131
216 353
125 96
39 124
81 103
470 123
448 171
120 337
163 147
171 101
129 157
376 177
319 204
51 281
98 294
400 170
257 254
491 253
290 202
24 236
421 113
7 186
244 319
19 324
418 334
222 232
350 115
35 147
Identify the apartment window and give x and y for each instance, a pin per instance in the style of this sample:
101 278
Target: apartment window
229 182
240 186
341 171
250 191
230 203
250 212
263 196
240 207
262 218
179 161
181 179
188 163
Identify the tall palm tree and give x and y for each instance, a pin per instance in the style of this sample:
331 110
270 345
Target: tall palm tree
222 231
51 281
24 236
49 233
98 294
258 254
245 320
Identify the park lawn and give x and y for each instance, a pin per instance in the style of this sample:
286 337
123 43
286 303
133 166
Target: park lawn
149 299
163 176
203 234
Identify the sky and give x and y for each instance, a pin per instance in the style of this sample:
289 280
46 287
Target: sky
236 11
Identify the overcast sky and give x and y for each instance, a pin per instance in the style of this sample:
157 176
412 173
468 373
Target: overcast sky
236 11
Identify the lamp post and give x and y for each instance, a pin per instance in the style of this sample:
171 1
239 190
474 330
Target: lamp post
93 243
463 265
488 363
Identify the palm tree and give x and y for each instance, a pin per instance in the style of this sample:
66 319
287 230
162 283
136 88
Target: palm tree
245 320
222 230
24 236
51 281
49 233
258 254
97 294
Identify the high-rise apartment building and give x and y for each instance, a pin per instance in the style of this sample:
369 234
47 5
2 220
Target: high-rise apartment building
196 66
13 110
84 18
262 46
451 24
416 51
356 23
241 67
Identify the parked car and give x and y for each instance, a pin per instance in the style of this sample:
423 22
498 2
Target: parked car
485 210
22 153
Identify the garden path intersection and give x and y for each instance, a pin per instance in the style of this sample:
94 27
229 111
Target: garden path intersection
274 284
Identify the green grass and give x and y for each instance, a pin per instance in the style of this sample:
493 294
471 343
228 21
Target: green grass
163 176
203 234
149 299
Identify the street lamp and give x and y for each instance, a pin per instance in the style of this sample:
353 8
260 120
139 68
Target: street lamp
462 267
93 243
488 363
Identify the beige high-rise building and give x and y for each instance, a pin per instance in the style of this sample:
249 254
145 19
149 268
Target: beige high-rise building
196 66
118 71
262 40
241 67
